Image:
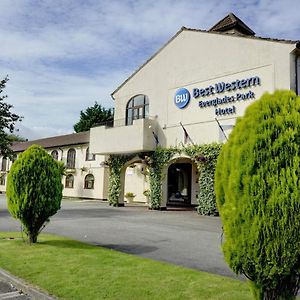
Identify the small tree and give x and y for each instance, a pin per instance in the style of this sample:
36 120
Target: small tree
34 189
93 115
258 195
7 122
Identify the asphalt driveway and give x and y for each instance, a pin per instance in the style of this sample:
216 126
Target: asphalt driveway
179 237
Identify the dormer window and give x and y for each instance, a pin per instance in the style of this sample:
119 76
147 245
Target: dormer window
137 108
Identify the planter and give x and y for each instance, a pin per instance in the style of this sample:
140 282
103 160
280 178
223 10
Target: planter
129 199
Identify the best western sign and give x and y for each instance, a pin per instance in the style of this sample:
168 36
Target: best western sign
182 96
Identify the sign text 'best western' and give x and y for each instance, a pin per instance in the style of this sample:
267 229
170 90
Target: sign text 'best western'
182 96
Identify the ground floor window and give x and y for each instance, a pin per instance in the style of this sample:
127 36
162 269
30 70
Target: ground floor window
69 181
89 181
2 179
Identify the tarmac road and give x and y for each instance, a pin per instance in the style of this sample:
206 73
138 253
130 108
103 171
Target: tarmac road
179 237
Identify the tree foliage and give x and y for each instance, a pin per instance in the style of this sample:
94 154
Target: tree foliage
91 116
7 122
16 138
258 196
34 189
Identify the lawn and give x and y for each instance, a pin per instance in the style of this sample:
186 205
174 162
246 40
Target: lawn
74 270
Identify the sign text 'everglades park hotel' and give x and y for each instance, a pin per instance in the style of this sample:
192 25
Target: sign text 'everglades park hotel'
182 96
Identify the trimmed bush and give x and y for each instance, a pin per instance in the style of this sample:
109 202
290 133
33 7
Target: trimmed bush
258 196
34 189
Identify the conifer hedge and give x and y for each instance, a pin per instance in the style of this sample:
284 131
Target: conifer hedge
257 184
34 189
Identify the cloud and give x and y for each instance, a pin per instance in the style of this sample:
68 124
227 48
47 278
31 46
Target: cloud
61 56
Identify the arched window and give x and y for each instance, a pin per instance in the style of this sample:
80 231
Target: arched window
137 108
89 181
2 179
88 155
71 159
4 164
54 154
69 181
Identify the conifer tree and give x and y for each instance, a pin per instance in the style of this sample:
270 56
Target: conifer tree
257 185
34 189
92 116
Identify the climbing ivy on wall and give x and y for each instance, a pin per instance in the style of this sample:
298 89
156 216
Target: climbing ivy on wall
115 163
156 161
205 158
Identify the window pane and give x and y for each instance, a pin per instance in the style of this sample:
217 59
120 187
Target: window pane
2 179
129 121
69 181
130 103
54 154
4 163
88 155
129 117
89 182
135 114
71 158
137 108
139 100
146 110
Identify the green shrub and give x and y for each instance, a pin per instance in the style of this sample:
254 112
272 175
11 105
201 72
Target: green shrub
205 157
258 196
34 189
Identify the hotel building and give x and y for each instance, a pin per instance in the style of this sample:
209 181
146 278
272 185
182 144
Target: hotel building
198 83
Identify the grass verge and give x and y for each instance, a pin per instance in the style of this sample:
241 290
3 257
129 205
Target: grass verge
74 270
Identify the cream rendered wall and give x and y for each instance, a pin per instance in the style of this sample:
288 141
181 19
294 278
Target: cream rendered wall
136 181
199 59
4 173
82 168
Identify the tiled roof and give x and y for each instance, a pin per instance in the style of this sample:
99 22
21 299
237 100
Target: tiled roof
252 37
231 21
55 141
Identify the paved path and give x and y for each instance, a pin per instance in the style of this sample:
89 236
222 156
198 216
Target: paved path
8 291
12 287
179 237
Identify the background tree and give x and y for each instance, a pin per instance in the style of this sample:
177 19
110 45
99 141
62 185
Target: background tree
34 189
257 185
7 122
16 138
93 115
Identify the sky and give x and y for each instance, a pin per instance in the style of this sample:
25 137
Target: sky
63 55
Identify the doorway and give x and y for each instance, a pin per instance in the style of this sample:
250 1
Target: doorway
179 184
